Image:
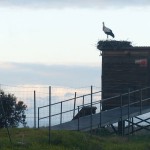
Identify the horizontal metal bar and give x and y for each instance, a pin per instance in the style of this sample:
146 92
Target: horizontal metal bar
57 114
96 93
70 99
146 99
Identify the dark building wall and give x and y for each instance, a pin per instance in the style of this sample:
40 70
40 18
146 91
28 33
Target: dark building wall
124 69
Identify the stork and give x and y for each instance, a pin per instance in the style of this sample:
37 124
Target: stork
108 31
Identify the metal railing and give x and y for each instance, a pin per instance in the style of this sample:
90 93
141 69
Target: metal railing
74 106
137 98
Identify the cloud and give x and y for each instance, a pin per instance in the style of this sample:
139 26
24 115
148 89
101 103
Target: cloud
75 3
62 75
21 79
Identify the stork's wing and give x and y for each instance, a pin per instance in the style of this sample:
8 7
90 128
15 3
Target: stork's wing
107 29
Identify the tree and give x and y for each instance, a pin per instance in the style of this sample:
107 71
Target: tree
12 112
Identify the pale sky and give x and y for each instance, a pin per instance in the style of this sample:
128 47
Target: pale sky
54 42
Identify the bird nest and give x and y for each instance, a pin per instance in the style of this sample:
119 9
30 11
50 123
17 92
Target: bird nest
102 45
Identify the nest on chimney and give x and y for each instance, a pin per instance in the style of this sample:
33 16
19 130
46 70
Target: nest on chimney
113 44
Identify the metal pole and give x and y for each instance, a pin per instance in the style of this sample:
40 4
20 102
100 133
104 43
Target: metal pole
34 109
100 104
132 126
128 111
74 104
61 114
121 116
141 97
91 108
49 114
38 117
78 119
83 100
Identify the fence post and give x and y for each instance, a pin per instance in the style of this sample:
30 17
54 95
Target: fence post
38 117
100 109
34 109
49 114
91 108
61 113
78 119
74 104
128 111
141 97
83 101
132 126
122 121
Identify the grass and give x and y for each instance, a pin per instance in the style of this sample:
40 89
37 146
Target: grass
34 139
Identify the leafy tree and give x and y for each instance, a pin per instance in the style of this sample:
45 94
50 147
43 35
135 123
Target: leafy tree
12 112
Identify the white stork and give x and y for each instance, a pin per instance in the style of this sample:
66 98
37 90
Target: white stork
108 31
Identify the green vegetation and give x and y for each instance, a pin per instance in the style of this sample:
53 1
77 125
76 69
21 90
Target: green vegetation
34 139
12 111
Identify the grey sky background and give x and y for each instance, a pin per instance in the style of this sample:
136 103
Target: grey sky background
60 35
103 4
63 75
53 42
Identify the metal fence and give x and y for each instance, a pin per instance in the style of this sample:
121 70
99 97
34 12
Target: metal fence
36 96
131 104
48 106
63 111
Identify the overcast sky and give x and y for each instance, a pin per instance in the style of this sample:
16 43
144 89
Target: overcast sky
75 3
62 75
54 41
